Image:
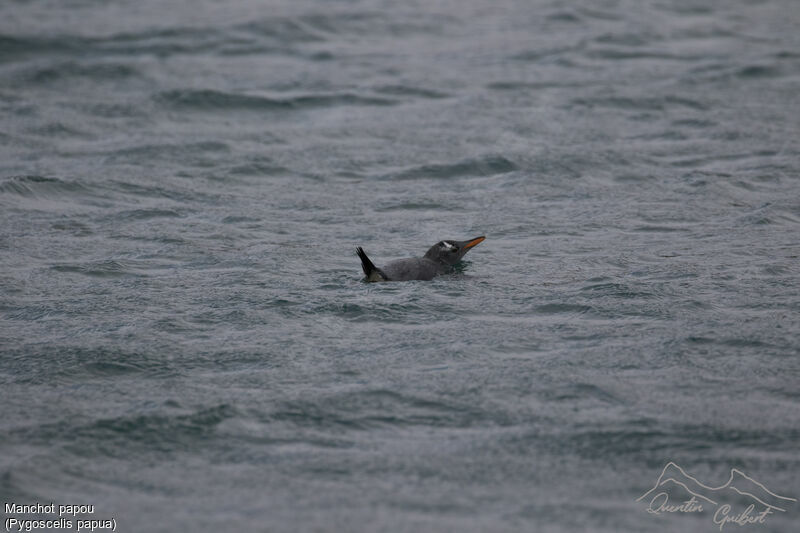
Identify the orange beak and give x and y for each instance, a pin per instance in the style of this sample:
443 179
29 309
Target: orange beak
474 242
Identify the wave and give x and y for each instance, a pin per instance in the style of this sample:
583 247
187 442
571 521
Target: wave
615 290
167 151
639 103
367 409
41 187
563 308
488 165
156 42
157 432
64 363
99 71
408 90
147 214
273 34
212 100
99 269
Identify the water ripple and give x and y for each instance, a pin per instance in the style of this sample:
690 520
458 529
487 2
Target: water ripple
207 99
489 165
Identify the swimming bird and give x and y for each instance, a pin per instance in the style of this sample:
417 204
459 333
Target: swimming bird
440 259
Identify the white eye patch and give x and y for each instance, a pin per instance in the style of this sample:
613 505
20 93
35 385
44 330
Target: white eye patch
447 246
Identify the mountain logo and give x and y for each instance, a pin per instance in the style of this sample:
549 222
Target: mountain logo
741 500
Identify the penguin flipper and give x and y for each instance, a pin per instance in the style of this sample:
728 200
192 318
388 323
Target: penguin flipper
372 272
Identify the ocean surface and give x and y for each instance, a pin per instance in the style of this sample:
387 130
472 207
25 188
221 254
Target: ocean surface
186 342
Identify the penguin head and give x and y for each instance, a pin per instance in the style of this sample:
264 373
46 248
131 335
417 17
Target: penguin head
450 252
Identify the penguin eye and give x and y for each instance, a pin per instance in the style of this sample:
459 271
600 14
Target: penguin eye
447 247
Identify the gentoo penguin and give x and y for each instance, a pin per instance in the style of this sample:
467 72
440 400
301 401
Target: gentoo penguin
440 259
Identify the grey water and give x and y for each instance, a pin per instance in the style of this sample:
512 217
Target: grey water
187 344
